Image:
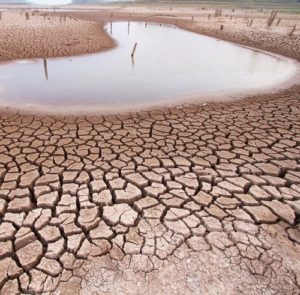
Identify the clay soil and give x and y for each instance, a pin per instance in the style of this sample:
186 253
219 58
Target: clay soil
44 36
190 200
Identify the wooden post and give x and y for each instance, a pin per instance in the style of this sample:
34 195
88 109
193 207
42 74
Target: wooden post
133 50
292 31
46 69
278 22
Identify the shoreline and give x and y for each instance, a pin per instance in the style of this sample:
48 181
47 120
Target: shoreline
287 86
201 27
198 199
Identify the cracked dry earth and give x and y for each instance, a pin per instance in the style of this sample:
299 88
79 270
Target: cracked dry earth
46 36
193 200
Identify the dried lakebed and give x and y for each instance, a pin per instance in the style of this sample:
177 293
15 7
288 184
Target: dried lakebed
200 200
169 65
193 200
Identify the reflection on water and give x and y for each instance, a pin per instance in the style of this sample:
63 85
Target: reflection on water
168 63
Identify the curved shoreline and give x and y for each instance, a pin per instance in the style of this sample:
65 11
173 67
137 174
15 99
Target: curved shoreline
201 199
174 102
211 29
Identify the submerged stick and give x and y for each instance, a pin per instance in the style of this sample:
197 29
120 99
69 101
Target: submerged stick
46 69
133 50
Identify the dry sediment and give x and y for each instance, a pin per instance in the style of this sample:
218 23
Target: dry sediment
49 36
202 199
191 200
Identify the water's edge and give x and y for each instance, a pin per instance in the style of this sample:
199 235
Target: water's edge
174 101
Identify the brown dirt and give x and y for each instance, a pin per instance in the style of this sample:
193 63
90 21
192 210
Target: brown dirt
191 200
44 37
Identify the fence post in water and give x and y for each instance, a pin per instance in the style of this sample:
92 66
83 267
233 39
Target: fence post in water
46 69
128 28
0 15
111 27
27 15
133 50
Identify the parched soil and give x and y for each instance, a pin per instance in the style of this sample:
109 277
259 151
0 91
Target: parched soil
44 36
199 199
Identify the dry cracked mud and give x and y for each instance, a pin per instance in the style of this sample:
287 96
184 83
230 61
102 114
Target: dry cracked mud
44 35
200 199
190 200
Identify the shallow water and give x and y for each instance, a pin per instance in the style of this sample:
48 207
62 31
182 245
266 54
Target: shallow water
168 63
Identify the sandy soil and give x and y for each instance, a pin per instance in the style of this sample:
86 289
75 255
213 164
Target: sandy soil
191 200
48 36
